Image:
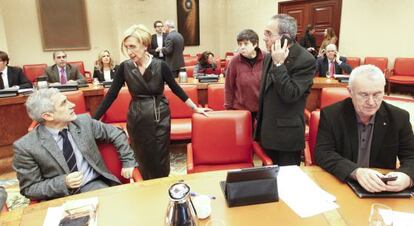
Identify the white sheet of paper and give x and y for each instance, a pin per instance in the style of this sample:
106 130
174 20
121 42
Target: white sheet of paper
398 218
53 216
302 194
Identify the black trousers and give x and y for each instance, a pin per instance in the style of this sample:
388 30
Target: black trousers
284 158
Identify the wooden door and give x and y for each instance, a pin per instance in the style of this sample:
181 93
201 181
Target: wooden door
321 13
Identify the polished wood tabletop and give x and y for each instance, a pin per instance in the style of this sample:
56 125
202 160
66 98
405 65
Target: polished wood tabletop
145 203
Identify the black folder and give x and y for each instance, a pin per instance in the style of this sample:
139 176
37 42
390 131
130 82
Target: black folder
362 193
251 186
207 78
8 93
65 87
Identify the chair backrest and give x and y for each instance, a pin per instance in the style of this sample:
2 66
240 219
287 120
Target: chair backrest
224 137
190 61
32 71
215 96
112 161
313 132
404 66
380 62
332 95
79 65
190 71
119 108
353 61
178 108
78 99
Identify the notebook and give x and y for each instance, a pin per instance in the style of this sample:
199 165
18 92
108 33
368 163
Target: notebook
362 193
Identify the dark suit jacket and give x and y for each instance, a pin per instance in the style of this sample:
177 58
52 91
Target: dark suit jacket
154 45
41 167
282 99
72 73
16 77
337 143
323 65
173 50
100 75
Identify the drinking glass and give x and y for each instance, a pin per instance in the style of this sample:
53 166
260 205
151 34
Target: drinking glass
328 74
380 215
215 222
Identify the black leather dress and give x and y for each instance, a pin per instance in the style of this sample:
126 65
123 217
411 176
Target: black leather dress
148 120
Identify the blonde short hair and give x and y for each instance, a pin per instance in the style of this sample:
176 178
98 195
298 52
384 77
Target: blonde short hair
140 32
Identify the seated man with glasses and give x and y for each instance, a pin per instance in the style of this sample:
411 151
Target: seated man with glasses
60 157
62 72
364 132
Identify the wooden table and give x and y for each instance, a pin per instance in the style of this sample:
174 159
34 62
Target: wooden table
145 203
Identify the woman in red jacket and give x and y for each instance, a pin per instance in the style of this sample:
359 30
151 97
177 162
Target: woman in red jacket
243 74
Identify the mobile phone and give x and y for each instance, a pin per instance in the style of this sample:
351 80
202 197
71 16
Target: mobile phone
388 178
283 38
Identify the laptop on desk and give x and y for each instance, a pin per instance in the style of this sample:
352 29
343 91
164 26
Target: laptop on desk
251 186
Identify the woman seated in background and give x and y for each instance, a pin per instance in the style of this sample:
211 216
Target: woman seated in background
243 75
206 65
329 38
104 68
308 40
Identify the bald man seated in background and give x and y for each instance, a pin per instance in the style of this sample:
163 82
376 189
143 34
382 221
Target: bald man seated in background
364 132
332 62
60 157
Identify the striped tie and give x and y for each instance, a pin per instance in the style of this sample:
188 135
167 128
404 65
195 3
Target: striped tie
68 151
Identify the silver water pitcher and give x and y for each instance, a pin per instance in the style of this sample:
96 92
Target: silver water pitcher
180 210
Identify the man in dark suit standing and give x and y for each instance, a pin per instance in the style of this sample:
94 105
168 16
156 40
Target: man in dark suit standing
174 48
286 82
62 72
364 132
11 76
158 40
332 62
60 157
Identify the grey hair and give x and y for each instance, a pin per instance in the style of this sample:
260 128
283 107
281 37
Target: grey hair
40 102
287 25
372 72
169 23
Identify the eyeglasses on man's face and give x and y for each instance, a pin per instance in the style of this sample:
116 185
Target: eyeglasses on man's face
61 57
377 96
269 34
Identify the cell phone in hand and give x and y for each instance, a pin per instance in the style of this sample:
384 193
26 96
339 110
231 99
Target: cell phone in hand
388 178
283 38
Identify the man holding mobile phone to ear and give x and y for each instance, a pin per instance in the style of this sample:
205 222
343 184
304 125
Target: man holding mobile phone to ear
287 78
332 62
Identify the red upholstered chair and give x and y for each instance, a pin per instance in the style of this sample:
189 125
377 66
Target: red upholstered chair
81 68
180 113
380 62
215 97
353 61
402 74
332 95
75 97
222 141
117 113
114 164
190 61
32 71
190 71
313 132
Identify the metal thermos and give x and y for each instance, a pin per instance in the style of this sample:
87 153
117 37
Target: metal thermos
180 211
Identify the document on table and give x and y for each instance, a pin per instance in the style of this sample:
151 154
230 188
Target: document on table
302 194
398 218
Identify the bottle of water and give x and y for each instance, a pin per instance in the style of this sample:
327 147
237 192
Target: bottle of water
182 77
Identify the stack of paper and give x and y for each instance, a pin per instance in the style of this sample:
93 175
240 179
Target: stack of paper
301 194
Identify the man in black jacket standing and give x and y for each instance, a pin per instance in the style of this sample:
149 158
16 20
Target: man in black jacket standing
158 41
286 82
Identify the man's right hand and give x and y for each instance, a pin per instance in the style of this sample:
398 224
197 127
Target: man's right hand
370 180
74 180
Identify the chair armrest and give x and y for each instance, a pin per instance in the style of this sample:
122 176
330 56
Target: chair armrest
388 73
190 164
308 157
307 115
32 126
261 154
136 175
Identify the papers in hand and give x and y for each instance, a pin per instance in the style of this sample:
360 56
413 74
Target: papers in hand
73 209
301 194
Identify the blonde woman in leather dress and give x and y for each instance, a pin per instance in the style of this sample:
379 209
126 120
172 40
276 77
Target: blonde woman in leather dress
148 119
